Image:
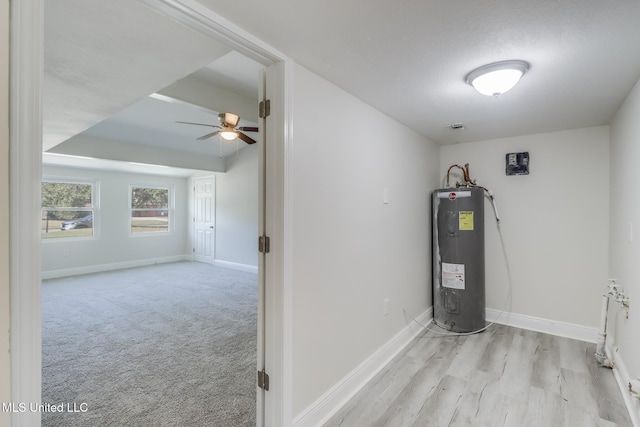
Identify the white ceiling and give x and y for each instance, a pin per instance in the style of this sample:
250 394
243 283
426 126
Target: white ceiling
102 62
407 58
152 122
99 58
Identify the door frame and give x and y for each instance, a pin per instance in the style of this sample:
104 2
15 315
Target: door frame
25 125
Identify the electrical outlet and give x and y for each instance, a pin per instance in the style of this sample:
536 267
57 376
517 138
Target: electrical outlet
385 307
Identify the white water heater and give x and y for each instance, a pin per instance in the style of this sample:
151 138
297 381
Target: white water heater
458 259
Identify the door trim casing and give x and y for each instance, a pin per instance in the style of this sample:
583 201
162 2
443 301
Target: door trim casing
25 174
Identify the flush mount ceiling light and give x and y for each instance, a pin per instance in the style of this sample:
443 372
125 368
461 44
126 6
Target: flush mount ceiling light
497 78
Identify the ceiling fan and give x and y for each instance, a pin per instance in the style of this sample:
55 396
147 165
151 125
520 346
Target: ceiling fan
228 128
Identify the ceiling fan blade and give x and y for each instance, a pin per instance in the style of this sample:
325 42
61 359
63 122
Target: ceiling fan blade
209 135
248 129
199 124
245 138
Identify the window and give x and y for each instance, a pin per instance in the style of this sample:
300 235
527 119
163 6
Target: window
67 209
149 209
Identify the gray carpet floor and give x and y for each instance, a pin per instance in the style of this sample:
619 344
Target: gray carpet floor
166 345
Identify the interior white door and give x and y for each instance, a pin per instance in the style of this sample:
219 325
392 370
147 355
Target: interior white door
204 219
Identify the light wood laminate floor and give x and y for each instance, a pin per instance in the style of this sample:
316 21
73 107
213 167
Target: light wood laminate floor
502 377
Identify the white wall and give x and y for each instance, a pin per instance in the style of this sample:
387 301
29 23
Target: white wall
237 209
4 209
625 214
351 250
114 246
554 222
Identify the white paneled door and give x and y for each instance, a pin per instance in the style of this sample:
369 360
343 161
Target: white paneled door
204 219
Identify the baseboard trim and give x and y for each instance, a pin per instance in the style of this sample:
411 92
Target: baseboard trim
622 378
236 266
329 403
552 327
54 274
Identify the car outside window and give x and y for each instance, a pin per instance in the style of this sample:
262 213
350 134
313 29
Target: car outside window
67 209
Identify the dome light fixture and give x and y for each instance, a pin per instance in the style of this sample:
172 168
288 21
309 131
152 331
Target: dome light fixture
229 134
497 78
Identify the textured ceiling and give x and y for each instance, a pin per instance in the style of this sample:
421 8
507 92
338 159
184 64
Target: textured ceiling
408 58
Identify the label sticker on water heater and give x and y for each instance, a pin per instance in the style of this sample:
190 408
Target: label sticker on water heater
465 220
452 195
453 275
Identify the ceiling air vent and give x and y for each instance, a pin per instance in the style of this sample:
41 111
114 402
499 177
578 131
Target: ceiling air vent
456 126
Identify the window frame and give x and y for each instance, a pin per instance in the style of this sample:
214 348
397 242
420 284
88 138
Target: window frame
170 209
95 207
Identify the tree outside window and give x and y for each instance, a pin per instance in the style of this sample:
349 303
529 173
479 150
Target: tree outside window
67 209
149 210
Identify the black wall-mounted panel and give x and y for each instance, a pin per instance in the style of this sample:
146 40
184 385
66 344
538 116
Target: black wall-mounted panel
517 163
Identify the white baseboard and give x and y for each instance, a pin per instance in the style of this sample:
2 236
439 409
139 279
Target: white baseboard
329 403
236 266
622 378
552 327
54 274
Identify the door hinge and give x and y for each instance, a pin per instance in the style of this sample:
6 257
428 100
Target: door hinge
265 108
263 380
264 244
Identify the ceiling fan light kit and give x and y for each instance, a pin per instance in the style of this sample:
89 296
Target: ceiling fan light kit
229 134
228 129
497 78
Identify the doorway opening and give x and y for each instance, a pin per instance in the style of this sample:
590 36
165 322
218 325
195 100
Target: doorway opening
26 175
154 227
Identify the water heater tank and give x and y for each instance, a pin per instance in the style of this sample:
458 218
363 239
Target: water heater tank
458 259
